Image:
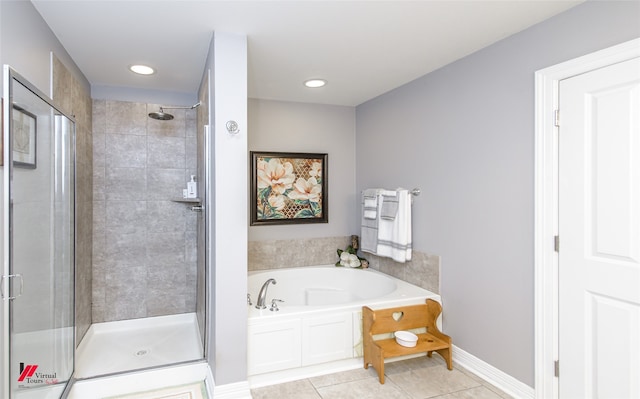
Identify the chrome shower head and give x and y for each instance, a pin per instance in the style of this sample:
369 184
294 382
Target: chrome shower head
163 116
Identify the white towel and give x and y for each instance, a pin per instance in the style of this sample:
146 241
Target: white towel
370 202
394 235
369 225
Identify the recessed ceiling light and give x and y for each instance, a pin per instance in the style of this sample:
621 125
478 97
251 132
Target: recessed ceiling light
142 69
315 83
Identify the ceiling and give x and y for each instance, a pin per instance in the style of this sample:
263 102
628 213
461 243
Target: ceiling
362 48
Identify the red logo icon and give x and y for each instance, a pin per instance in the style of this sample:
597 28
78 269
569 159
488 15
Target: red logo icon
27 372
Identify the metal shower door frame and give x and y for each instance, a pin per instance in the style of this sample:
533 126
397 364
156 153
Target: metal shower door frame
6 293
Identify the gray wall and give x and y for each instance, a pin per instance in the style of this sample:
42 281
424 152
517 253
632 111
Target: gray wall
26 43
464 134
295 127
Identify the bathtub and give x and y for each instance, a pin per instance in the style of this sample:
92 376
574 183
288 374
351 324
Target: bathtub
317 329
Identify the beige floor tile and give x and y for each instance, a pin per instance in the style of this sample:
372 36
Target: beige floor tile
497 390
346 376
481 392
421 362
491 387
432 381
301 389
368 388
467 372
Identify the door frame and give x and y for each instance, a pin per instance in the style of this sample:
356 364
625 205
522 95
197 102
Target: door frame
9 76
546 287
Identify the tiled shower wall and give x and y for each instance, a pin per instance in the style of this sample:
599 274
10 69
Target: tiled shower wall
72 97
423 270
144 252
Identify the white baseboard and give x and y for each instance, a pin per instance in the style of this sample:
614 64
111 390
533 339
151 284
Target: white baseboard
492 375
237 390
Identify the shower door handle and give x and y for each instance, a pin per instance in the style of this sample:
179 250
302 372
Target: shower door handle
9 278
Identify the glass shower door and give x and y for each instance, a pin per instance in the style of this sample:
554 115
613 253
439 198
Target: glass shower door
39 239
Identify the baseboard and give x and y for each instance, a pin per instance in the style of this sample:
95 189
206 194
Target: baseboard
492 375
238 390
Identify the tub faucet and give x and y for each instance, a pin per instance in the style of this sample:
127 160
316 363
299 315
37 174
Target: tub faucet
262 296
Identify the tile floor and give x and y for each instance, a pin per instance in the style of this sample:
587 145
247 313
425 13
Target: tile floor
418 378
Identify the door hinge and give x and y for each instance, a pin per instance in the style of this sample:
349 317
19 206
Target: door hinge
556 368
556 243
556 118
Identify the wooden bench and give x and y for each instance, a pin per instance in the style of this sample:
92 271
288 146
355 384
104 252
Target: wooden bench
375 322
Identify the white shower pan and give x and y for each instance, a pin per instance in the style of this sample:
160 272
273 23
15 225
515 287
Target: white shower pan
126 345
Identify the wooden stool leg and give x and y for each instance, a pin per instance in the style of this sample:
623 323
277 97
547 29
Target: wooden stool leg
379 365
446 354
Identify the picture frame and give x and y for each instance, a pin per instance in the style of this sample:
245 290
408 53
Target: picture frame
24 138
288 188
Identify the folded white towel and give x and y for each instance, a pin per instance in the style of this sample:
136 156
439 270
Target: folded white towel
389 208
370 214
370 206
370 202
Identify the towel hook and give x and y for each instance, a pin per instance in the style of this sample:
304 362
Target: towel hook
415 192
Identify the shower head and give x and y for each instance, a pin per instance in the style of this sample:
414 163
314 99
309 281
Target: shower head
163 116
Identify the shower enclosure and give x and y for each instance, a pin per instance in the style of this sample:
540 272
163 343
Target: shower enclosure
145 241
42 356
38 267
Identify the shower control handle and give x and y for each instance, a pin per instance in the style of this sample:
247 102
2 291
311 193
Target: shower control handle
197 208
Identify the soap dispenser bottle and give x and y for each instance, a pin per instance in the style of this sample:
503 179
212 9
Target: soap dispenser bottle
192 188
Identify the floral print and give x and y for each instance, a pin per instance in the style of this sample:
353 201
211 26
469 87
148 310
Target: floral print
276 175
316 170
306 190
289 188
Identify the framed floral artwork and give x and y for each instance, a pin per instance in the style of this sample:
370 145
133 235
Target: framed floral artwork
24 138
288 188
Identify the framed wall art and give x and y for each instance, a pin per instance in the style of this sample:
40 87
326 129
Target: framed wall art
288 188
24 138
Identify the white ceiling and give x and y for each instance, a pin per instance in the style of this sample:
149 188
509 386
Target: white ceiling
362 48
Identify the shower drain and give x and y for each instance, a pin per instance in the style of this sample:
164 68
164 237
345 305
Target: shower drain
142 352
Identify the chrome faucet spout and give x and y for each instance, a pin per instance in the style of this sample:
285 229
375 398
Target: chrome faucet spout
262 296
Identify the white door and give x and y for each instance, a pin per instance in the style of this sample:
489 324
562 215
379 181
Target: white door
599 230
